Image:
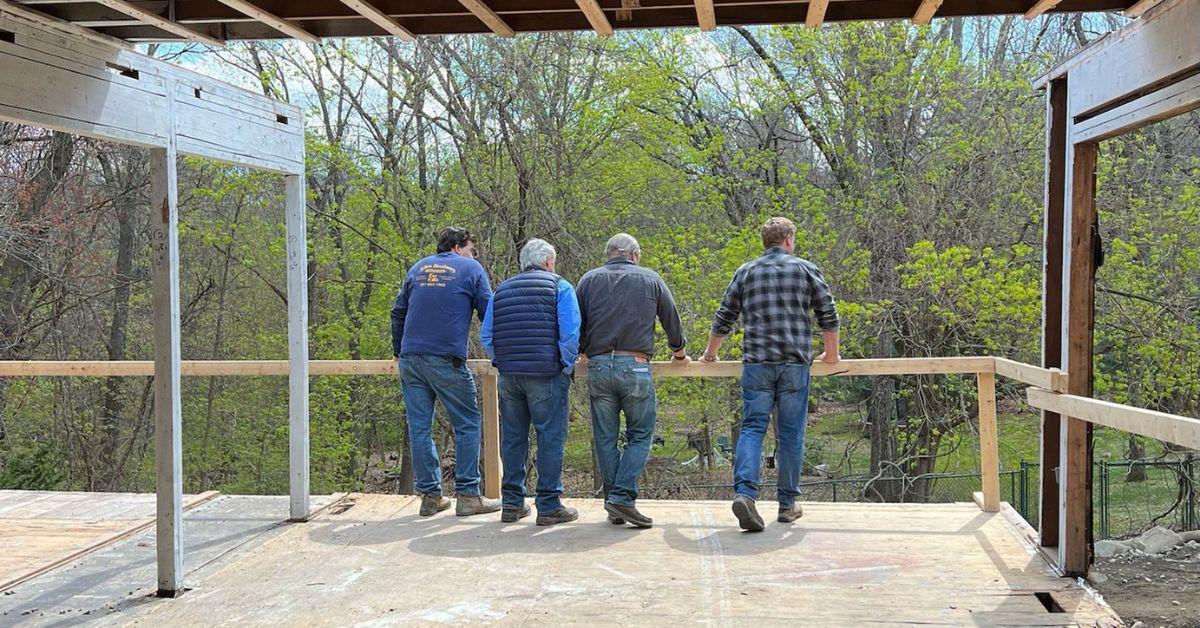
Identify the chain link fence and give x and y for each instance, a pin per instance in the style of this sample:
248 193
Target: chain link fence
1129 496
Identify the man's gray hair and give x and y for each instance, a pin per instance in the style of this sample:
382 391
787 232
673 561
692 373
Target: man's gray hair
536 253
622 244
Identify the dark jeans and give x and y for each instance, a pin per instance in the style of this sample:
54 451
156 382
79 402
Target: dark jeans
620 383
540 402
764 387
424 379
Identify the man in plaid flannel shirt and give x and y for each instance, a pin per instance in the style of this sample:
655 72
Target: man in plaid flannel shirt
774 294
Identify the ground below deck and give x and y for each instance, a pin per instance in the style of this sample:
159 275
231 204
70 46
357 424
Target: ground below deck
371 559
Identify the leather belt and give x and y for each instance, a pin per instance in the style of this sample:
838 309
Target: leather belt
637 355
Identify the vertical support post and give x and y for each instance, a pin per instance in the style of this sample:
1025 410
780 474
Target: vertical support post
297 286
989 454
168 417
1052 301
492 467
1075 517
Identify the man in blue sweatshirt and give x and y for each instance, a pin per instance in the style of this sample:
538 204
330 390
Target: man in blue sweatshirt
430 322
531 331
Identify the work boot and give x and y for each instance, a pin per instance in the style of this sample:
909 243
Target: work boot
628 514
432 504
747 514
475 505
562 515
615 520
790 514
512 515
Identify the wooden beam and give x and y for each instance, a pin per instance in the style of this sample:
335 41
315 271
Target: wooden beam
274 21
966 365
1050 379
1166 102
297 291
1140 7
53 78
493 468
816 13
1052 303
1171 428
488 17
595 17
1040 7
1075 496
168 416
989 447
706 15
926 11
158 21
380 19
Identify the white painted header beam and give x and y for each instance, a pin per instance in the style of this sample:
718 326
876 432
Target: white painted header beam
54 77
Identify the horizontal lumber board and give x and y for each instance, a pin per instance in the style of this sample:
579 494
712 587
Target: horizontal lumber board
1050 379
56 80
1168 102
1171 428
209 368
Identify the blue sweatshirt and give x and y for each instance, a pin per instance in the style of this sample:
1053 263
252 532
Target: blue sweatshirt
568 327
432 313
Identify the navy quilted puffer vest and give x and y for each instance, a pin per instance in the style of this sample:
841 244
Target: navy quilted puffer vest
525 324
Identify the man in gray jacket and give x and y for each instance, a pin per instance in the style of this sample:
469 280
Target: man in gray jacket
619 303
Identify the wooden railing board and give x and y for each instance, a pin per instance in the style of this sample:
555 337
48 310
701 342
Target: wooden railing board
1172 428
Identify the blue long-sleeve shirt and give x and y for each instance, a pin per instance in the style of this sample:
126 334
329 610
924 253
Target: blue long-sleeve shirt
569 321
432 312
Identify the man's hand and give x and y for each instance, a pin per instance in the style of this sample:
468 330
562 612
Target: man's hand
582 360
829 359
681 360
708 357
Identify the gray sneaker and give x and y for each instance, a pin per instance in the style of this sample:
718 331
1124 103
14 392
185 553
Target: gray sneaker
468 505
788 515
747 514
432 504
562 515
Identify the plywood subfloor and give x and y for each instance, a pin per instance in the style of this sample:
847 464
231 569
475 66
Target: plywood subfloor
39 527
842 564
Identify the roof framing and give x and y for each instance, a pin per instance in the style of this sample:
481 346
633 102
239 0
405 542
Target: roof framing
359 18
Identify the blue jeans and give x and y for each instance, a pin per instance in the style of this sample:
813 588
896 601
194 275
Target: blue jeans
542 403
425 378
616 383
766 386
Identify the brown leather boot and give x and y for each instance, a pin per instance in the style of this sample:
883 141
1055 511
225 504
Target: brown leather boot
788 515
433 504
468 505
747 514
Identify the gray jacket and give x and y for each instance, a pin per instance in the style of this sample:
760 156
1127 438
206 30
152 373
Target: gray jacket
619 302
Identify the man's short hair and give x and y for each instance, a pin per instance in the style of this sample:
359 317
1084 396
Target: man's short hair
536 253
451 237
622 244
776 230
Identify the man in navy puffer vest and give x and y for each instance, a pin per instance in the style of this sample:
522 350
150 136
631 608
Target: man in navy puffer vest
531 331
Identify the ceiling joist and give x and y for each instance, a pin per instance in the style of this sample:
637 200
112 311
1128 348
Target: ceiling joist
380 19
488 17
816 13
274 21
1040 7
926 11
1140 7
595 16
706 16
158 21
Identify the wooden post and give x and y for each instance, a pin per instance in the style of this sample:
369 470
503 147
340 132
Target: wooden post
168 418
492 467
989 453
1052 300
1075 518
297 280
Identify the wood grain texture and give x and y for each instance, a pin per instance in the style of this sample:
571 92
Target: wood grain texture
989 447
